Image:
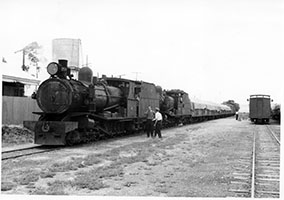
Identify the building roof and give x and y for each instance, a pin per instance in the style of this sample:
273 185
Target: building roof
10 74
7 78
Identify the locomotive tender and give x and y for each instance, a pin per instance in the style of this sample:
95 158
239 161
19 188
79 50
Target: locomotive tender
75 111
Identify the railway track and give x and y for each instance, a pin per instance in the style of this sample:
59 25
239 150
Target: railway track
26 151
275 131
257 175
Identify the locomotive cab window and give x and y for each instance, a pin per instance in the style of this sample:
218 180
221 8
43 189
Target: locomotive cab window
137 90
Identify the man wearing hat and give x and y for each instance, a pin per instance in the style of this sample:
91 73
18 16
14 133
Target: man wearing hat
158 122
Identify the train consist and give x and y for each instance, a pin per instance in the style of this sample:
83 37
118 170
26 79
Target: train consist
76 111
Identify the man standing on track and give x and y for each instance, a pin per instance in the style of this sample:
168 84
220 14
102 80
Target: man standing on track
158 123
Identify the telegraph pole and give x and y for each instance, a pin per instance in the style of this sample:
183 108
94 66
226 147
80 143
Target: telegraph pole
136 74
23 66
87 63
24 53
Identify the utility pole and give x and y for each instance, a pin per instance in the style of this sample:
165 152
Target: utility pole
24 54
136 74
23 66
29 49
87 63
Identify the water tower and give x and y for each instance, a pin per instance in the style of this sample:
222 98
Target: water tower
68 49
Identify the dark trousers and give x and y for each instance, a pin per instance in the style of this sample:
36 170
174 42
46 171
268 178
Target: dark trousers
149 127
158 129
237 116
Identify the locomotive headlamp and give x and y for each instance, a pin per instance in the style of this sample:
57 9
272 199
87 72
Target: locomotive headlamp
59 69
52 68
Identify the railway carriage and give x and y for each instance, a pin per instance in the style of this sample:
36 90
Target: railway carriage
198 111
205 111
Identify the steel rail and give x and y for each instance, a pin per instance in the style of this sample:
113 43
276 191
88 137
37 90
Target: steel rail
39 149
21 149
26 154
253 165
273 134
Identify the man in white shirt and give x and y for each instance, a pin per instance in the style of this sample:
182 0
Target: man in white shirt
158 123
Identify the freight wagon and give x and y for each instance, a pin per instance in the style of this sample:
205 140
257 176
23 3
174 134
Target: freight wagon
259 108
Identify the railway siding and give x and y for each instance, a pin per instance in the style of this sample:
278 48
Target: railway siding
267 183
257 174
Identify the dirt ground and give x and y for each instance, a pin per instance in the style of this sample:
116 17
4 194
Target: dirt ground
195 160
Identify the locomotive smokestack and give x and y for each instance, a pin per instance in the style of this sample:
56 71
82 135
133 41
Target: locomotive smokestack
64 63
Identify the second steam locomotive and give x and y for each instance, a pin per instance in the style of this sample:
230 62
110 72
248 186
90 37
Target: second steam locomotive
75 111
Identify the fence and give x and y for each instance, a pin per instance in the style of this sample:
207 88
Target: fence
15 110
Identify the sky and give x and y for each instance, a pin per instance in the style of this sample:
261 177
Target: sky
215 50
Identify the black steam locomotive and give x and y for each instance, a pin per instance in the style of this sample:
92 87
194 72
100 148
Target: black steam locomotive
75 111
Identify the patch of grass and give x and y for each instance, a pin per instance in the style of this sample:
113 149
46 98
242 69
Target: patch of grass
110 171
47 174
92 179
88 181
129 160
64 166
31 185
38 191
57 187
75 163
5 186
54 188
27 177
91 159
129 183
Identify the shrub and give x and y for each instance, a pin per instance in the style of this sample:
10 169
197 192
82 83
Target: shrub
47 174
91 159
88 181
5 186
27 178
63 167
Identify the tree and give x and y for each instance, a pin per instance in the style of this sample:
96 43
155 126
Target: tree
232 104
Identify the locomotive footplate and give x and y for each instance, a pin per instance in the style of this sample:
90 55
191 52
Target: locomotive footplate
53 132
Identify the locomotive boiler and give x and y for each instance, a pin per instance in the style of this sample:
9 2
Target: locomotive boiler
59 95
